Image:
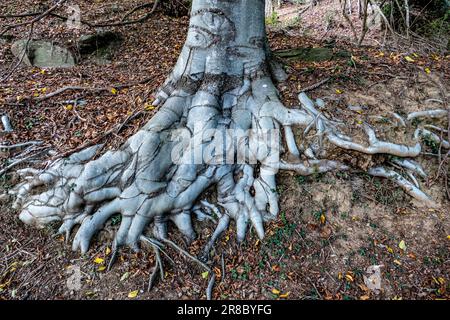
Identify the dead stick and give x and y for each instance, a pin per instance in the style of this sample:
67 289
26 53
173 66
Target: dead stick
316 85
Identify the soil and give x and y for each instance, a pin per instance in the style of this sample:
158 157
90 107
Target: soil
332 228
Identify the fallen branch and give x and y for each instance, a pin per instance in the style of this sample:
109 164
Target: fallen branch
406 185
316 85
20 15
20 145
187 254
98 139
39 17
24 53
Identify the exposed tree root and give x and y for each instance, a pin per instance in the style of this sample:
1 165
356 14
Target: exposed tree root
219 126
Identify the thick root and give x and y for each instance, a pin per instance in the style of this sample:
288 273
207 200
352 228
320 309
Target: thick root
218 126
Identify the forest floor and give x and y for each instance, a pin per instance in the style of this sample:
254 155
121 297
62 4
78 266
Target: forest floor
333 230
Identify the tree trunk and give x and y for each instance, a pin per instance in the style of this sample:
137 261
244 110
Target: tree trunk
218 126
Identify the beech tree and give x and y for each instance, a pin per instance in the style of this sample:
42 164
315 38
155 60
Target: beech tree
220 126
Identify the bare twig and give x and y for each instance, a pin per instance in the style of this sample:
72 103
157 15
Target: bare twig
137 8
6 124
84 88
187 254
349 21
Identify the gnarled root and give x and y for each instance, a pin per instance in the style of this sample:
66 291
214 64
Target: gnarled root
218 126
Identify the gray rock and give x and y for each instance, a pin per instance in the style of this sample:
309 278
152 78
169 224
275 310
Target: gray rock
43 54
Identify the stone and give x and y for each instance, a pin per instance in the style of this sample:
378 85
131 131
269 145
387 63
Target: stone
43 54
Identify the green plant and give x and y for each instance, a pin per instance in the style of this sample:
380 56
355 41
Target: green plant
272 19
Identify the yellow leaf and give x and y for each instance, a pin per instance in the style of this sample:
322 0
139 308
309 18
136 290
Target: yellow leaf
68 107
338 91
114 91
133 294
415 55
102 268
42 71
284 295
409 59
340 275
99 260
36 94
427 70
205 274
359 122
108 251
44 90
390 250
441 280
276 291
349 277
448 237
322 218
149 107
402 245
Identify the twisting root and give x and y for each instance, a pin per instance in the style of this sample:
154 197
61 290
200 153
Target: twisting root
439 113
